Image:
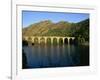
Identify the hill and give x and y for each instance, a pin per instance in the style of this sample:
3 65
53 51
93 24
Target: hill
47 28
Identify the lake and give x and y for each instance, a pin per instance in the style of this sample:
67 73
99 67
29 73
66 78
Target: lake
47 56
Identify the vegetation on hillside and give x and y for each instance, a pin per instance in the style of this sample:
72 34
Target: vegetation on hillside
79 30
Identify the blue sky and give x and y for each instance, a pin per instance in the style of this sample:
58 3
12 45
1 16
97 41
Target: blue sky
30 17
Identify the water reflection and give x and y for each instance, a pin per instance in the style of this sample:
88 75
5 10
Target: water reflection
42 56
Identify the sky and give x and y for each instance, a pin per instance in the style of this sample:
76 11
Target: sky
31 17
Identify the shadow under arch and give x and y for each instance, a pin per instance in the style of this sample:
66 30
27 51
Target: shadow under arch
42 40
75 41
48 40
72 41
54 41
24 42
29 41
65 41
60 41
36 41
29 38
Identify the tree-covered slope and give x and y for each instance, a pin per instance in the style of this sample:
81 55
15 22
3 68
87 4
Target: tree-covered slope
79 30
47 28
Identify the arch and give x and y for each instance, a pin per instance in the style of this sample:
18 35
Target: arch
75 41
55 41
24 38
29 41
60 40
48 40
24 43
42 40
29 38
65 41
70 41
36 40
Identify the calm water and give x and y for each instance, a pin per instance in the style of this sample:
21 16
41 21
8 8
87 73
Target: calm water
42 56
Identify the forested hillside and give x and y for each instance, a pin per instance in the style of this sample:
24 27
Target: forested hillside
79 30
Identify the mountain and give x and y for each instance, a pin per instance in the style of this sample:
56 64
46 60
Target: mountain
81 29
37 28
62 28
47 28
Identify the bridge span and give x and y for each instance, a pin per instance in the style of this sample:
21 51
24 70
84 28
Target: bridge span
45 39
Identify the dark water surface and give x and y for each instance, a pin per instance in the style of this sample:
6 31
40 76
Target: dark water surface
42 56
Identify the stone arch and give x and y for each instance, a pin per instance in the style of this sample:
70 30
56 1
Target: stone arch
75 41
32 41
36 40
24 43
29 41
60 40
48 40
70 41
54 40
65 41
42 40
24 38
29 38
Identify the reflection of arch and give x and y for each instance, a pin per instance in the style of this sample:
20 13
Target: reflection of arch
54 40
48 40
42 40
65 41
60 41
36 40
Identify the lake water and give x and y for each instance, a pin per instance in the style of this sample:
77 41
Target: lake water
43 56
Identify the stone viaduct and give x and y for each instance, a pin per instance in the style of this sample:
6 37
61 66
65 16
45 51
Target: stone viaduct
44 39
